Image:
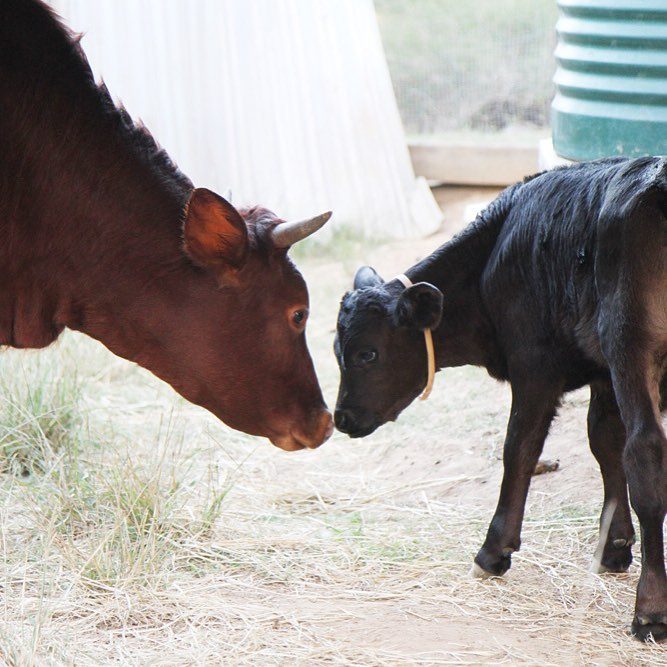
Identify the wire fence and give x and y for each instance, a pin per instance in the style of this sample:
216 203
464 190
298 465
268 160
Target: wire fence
470 66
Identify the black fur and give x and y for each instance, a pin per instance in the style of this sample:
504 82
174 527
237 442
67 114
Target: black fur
559 283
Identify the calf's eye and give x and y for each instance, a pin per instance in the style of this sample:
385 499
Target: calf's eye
368 356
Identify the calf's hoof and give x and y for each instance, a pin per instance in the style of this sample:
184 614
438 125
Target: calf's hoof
617 556
645 626
488 564
476 572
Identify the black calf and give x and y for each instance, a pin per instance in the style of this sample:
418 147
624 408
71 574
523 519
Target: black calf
559 283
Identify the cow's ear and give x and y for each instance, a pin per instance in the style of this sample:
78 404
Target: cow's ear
215 235
419 307
367 276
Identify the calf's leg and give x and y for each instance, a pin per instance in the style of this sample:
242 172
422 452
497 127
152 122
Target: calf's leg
630 277
533 408
645 458
606 436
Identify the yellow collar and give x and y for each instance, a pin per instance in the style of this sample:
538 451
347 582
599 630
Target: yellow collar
428 339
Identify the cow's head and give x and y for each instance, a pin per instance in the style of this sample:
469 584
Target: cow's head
237 342
379 346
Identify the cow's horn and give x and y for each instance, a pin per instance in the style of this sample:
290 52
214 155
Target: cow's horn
286 234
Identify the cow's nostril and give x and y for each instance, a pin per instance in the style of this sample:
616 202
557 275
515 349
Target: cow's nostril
343 420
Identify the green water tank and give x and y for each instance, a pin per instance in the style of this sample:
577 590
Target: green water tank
611 81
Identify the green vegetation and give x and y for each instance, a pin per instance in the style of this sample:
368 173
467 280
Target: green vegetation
40 417
457 65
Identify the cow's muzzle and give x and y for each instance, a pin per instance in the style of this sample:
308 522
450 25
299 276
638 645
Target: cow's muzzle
298 438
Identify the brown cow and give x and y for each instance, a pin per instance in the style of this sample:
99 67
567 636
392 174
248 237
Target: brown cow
102 234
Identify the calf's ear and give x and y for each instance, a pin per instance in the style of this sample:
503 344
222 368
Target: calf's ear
215 235
367 276
419 307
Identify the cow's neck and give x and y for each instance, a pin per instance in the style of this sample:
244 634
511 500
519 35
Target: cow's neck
88 234
90 207
90 264
466 334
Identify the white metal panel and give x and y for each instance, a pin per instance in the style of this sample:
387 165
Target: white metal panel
287 102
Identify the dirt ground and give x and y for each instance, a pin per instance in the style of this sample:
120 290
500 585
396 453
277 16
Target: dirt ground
355 554
549 609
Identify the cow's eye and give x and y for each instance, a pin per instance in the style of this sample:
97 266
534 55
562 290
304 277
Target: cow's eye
368 356
299 316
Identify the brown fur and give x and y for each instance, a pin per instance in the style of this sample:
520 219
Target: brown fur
92 215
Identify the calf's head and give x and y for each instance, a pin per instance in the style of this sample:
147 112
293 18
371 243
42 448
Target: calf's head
235 340
380 350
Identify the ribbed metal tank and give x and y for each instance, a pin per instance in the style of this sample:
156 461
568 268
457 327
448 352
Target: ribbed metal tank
611 81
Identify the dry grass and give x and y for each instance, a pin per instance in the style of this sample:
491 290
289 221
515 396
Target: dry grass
137 530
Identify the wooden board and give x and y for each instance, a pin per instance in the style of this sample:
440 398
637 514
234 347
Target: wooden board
471 164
